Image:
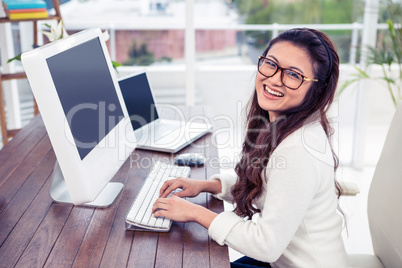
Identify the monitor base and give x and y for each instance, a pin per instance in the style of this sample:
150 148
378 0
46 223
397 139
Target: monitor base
59 191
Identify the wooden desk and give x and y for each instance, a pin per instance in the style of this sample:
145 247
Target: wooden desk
36 232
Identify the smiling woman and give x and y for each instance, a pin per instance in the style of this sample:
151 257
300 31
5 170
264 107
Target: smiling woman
300 51
298 223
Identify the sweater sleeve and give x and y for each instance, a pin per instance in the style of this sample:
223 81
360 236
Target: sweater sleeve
292 181
227 181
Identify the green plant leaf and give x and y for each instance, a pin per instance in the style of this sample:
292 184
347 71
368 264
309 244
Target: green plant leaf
116 64
391 28
347 84
388 80
18 57
357 77
362 74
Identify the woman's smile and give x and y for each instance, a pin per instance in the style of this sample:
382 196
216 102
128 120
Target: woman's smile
272 93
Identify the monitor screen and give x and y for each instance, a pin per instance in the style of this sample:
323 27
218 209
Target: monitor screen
87 94
138 98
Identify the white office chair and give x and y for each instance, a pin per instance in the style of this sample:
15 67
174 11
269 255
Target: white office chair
384 206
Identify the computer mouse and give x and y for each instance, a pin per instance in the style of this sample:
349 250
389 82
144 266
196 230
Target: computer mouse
190 159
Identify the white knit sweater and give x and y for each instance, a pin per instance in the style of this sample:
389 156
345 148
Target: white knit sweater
298 225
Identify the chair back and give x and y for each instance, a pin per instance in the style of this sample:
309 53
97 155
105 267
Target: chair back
384 207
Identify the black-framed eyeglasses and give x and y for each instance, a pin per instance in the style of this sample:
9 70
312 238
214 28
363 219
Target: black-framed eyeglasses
290 78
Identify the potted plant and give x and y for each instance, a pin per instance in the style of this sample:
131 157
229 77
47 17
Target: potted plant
387 56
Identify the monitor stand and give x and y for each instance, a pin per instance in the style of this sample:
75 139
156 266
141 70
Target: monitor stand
59 191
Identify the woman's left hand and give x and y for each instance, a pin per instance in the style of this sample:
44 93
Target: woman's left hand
174 208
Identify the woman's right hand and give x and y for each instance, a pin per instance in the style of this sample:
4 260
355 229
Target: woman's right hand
190 187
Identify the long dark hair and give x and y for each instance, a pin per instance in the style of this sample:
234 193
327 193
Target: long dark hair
259 145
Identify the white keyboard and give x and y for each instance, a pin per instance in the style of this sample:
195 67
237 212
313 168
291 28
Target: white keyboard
140 216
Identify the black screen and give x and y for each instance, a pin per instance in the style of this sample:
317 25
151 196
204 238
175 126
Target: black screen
139 101
87 93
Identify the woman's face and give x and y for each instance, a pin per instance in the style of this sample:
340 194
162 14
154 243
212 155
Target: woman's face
272 95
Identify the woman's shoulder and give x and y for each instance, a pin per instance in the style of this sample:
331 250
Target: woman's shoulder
309 133
309 141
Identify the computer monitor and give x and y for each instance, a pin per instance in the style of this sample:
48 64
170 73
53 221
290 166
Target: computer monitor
83 110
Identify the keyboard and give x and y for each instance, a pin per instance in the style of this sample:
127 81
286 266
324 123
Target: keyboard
140 216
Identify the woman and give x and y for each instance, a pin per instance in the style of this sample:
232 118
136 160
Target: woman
286 174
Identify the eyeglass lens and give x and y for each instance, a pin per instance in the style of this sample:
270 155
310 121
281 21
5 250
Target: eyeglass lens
289 78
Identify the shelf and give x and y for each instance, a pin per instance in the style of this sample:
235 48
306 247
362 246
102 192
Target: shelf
5 77
21 75
52 17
